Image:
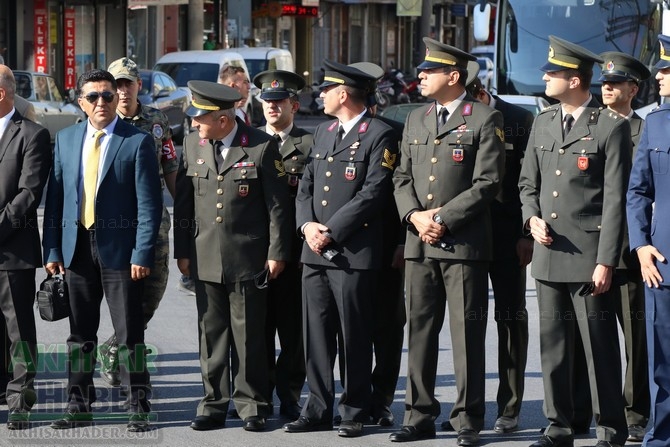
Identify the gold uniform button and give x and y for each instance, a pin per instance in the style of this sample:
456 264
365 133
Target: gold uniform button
558 172
561 151
219 178
324 203
583 151
554 216
365 225
326 188
555 193
433 160
458 141
219 219
295 157
244 177
219 191
429 197
600 227
317 155
431 178
292 169
328 173
416 141
195 174
330 159
436 142
244 171
219 205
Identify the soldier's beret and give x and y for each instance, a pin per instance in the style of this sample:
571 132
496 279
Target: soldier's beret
276 85
439 55
620 67
210 96
564 55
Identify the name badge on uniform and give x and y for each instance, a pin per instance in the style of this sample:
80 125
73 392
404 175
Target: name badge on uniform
350 173
243 190
583 163
293 180
457 155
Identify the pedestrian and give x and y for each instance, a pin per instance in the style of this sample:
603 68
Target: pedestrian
231 235
25 161
512 252
154 122
572 183
451 164
389 294
339 215
235 77
646 209
279 94
103 245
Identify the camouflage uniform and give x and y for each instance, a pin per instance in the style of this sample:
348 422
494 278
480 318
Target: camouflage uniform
155 123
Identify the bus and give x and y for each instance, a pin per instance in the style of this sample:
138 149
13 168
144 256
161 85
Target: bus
522 29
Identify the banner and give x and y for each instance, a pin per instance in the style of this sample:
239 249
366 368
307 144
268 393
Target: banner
409 8
40 36
70 63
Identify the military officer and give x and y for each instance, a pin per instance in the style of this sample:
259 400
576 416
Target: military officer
339 214
648 211
279 92
512 251
154 122
451 164
577 221
232 234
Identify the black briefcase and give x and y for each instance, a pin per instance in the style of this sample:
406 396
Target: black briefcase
53 300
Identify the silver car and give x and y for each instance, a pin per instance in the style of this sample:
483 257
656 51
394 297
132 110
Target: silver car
52 109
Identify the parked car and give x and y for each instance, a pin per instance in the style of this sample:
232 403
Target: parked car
399 112
485 74
53 110
161 92
534 104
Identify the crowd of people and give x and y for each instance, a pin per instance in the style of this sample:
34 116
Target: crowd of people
308 238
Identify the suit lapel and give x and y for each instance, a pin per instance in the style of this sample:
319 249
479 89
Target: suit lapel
112 149
236 152
11 130
635 125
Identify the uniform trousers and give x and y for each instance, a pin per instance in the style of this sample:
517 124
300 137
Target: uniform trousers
657 302
562 310
232 315
17 295
88 281
337 300
432 286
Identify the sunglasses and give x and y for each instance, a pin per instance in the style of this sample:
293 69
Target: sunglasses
94 96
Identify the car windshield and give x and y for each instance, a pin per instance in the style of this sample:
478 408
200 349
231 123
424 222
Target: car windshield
603 25
255 66
183 72
482 64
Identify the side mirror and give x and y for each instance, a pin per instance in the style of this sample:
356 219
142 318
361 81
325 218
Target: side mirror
482 17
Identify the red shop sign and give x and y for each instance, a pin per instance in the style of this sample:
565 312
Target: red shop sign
69 52
41 26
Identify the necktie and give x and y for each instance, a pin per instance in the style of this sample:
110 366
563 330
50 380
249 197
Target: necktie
340 134
444 115
246 118
218 154
90 182
569 121
278 138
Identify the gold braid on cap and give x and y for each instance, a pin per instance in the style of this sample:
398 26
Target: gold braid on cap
332 79
204 106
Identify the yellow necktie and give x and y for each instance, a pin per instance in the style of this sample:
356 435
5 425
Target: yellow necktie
90 183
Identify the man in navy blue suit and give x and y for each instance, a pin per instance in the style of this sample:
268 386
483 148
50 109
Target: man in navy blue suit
103 211
648 211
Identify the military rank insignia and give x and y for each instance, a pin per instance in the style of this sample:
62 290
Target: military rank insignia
457 155
467 109
292 180
389 159
279 166
500 134
583 163
350 172
243 190
244 140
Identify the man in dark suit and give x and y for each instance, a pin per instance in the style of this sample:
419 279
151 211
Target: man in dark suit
512 251
231 234
572 183
279 92
620 76
451 166
648 212
339 215
103 244
25 160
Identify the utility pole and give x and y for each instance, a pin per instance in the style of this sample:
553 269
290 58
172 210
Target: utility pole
195 24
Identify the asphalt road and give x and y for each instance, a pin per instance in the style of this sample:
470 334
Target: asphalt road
177 389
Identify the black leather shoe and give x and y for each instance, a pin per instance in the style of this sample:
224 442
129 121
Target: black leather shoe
635 433
138 422
506 424
548 441
290 410
446 426
72 419
350 429
304 425
467 437
254 423
409 433
203 423
18 420
383 417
